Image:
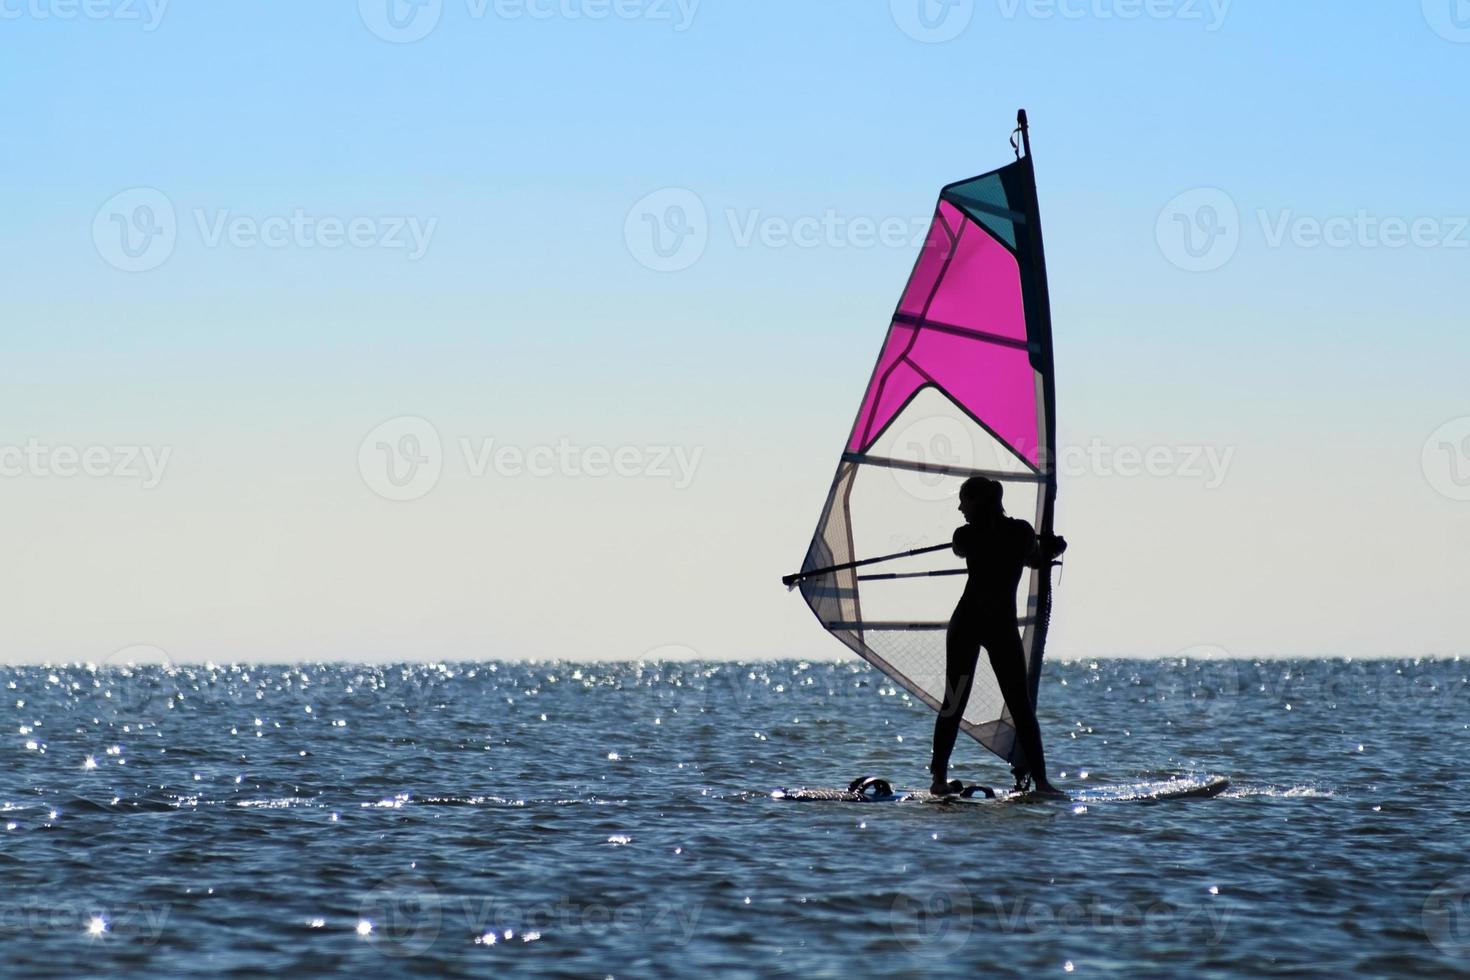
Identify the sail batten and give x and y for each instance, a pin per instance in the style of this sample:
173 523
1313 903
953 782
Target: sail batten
963 387
921 466
990 338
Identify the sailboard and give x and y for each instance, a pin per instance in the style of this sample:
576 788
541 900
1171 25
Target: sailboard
874 790
964 386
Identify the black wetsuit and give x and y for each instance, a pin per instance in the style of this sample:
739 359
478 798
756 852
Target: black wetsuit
995 557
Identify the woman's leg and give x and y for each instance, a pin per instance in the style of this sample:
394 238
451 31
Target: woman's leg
961 651
1008 661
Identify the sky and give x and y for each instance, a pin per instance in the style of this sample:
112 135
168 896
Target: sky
534 328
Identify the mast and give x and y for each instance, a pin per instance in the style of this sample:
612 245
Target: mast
1042 360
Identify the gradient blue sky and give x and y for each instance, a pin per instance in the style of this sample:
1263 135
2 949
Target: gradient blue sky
528 133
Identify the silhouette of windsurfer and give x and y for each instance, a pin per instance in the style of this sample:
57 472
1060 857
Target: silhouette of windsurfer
996 549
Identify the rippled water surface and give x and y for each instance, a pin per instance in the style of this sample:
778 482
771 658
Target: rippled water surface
473 819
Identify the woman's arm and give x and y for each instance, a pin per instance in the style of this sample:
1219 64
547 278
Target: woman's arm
1047 550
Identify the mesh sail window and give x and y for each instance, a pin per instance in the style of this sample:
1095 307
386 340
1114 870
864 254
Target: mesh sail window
963 387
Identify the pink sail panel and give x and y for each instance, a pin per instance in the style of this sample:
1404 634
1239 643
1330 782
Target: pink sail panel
968 341
981 287
938 247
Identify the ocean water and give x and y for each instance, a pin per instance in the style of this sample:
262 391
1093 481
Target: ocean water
616 820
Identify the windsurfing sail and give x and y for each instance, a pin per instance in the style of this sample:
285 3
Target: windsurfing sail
963 387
